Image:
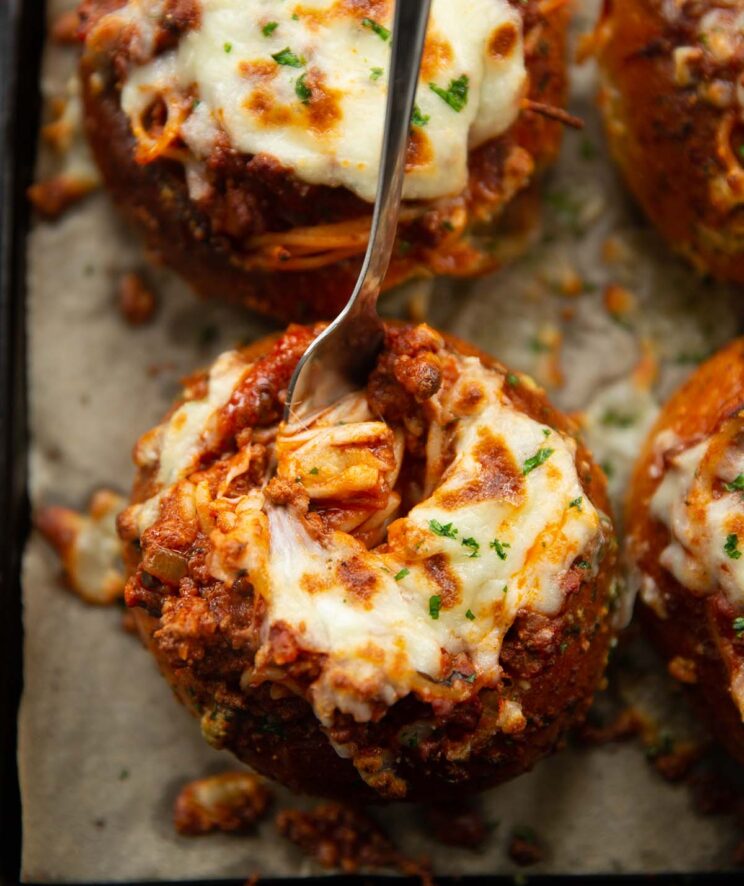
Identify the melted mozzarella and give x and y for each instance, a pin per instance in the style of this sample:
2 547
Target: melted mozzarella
503 526
706 547
333 135
176 446
382 617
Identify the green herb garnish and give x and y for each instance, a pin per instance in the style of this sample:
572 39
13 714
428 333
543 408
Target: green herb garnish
227 47
470 615
268 29
732 546
446 531
473 545
435 604
302 90
402 574
381 31
539 458
456 94
736 485
375 73
418 118
288 58
576 503
613 419
500 548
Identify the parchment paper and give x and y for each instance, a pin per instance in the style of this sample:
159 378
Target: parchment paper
104 748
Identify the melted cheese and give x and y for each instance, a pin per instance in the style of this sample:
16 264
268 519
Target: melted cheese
321 115
499 533
704 518
176 446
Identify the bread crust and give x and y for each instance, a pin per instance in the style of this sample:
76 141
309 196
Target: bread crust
694 630
673 108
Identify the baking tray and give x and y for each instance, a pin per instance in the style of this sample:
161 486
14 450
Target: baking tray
21 41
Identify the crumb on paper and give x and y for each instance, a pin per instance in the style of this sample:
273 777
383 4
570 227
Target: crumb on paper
626 725
232 802
619 302
461 824
88 546
76 174
339 836
683 669
136 300
547 345
65 28
53 196
526 847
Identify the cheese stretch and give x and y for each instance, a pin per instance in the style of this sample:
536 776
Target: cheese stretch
305 83
388 595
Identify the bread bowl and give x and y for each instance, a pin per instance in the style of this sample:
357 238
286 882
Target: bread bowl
242 137
672 96
685 520
408 597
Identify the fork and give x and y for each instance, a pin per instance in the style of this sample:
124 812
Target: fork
340 358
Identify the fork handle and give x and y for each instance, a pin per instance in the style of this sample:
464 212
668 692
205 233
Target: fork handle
409 34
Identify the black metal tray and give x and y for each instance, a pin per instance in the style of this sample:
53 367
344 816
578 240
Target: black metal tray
22 31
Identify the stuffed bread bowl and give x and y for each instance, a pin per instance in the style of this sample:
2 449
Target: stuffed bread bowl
242 137
686 540
672 96
406 597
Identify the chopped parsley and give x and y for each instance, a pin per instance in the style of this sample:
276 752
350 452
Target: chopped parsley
435 604
227 47
456 94
736 485
288 58
738 625
302 90
500 548
375 73
576 503
613 419
512 380
399 576
473 545
732 546
381 31
470 615
268 29
447 225
608 468
418 118
446 531
539 458
315 471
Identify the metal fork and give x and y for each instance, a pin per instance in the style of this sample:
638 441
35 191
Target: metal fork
340 358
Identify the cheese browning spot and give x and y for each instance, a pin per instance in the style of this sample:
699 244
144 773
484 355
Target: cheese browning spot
327 57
